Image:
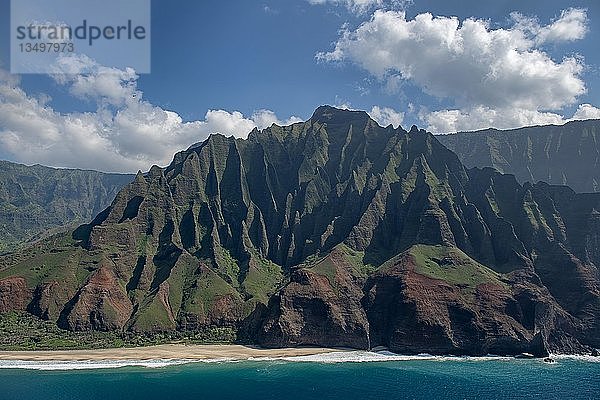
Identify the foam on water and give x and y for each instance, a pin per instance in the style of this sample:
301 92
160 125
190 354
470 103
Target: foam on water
593 359
99 364
380 356
326 358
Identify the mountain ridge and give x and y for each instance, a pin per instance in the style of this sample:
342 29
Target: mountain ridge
536 153
36 198
334 232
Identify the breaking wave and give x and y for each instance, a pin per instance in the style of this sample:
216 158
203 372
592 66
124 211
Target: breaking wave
325 358
99 364
380 356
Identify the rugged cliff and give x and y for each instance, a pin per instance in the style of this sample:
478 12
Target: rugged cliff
34 199
562 155
334 232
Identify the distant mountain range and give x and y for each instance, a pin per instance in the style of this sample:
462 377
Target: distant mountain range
562 155
34 199
330 232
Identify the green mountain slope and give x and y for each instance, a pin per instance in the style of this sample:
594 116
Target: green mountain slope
35 199
333 232
562 155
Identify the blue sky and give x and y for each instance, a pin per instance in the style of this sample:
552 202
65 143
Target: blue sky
230 65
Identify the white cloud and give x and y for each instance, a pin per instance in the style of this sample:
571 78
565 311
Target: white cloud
569 26
587 111
266 118
9 78
124 134
385 116
342 104
572 25
450 121
468 62
362 6
497 76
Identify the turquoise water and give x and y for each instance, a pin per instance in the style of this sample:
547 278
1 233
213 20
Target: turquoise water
414 379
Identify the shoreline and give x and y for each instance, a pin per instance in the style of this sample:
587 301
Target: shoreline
231 352
166 355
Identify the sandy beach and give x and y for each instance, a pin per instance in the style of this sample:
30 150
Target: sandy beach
165 351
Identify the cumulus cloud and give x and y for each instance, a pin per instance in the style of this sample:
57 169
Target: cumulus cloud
497 76
265 118
124 134
469 62
570 26
386 116
90 81
450 121
587 111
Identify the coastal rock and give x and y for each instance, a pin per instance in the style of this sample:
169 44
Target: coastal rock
320 307
49 299
101 304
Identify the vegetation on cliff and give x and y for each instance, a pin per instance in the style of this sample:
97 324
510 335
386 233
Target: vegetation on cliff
330 232
34 199
560 155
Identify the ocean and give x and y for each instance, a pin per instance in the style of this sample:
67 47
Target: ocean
334 376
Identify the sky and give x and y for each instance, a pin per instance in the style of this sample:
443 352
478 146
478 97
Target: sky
230 66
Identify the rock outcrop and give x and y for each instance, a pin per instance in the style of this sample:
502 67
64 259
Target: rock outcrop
14 294
330 232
